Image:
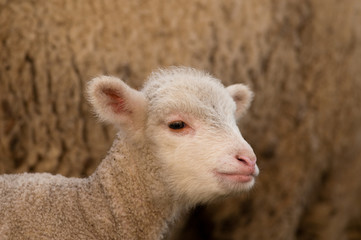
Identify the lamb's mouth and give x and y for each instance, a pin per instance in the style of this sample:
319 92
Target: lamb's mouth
236 177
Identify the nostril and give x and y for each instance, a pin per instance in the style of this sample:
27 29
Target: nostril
241 159
246 160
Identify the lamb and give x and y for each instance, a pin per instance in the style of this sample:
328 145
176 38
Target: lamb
178 145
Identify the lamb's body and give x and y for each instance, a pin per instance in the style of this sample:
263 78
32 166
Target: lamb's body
114 203
178 146
30 202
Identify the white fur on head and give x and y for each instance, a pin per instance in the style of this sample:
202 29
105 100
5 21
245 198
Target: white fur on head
242 96
187 119
115 102
207 157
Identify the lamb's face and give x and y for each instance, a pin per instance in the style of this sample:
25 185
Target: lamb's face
192 128
188 120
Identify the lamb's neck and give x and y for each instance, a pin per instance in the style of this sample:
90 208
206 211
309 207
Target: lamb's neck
133 184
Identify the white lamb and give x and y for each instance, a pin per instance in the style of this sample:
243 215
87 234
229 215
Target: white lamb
178 145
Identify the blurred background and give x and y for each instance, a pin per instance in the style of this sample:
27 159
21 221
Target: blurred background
301 58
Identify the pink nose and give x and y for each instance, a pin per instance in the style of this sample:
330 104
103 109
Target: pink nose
248 161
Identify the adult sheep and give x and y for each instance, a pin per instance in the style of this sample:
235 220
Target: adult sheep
178 145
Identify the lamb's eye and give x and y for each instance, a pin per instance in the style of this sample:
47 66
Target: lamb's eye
177 125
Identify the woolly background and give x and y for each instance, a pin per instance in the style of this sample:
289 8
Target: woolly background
301 58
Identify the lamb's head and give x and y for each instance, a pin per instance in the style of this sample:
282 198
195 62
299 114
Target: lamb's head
188 120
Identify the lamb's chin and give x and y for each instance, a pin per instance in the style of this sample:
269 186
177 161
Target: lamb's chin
237 183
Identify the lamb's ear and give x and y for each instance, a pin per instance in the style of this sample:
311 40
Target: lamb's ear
117 103
243 97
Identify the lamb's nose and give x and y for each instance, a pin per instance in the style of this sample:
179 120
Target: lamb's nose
248 161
